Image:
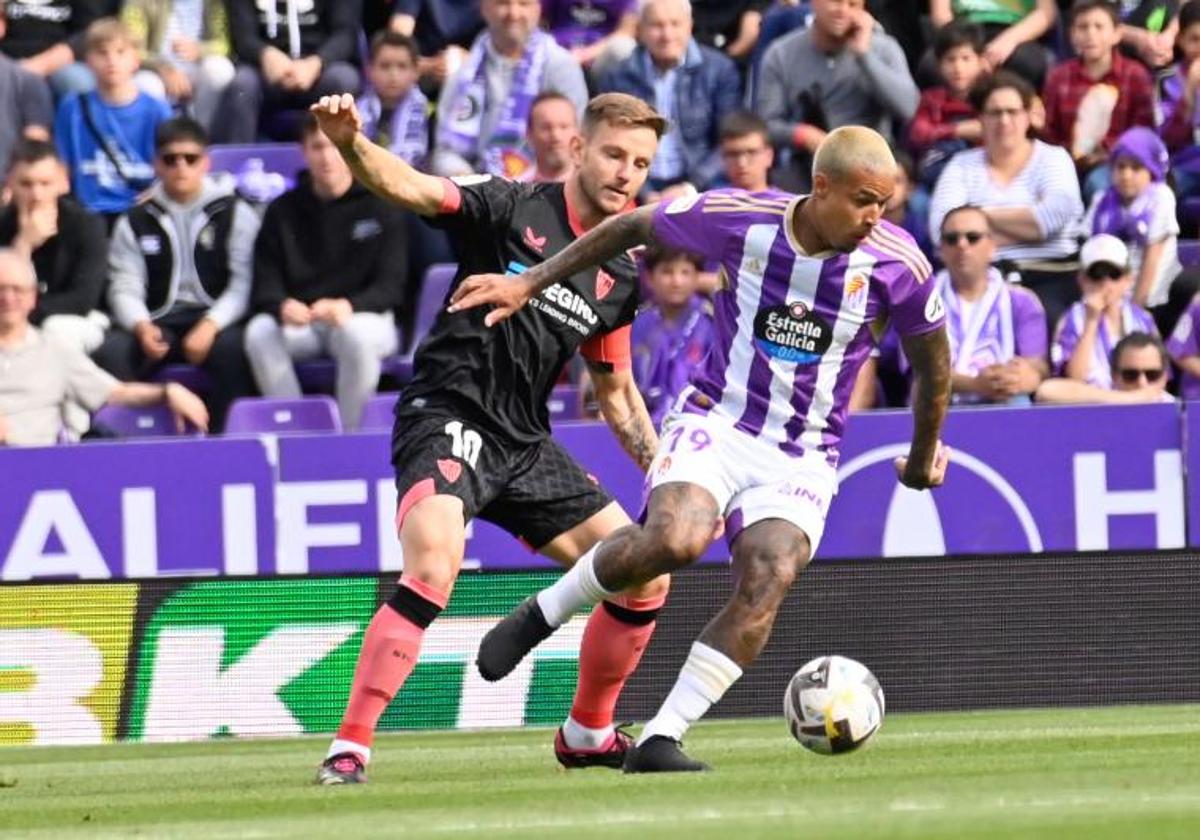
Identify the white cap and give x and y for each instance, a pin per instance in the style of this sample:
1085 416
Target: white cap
1103 248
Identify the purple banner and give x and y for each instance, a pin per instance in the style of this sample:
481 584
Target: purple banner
137 510
1191 438
1021 480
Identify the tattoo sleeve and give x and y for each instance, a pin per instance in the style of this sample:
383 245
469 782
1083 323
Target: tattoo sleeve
625 412
602 243
929 355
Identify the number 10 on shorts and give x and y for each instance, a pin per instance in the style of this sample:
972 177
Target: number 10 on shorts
464 443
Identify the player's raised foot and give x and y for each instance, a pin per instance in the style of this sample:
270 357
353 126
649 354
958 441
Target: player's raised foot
612 754
342 769
660 754
506 644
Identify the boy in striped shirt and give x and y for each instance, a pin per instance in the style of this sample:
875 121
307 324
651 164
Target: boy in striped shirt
753 442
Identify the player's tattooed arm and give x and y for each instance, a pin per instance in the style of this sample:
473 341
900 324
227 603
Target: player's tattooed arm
508 294
377 169
929 355
625 412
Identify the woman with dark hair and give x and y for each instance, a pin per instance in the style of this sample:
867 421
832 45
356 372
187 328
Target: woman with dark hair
1027 188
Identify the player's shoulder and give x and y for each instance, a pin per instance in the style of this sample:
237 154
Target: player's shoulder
892 245
729 206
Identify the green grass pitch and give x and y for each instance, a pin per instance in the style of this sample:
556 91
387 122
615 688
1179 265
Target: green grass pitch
1126 772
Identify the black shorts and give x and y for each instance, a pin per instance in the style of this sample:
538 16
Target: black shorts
534 491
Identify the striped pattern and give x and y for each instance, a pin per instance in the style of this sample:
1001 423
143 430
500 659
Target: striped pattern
1047 185
791 330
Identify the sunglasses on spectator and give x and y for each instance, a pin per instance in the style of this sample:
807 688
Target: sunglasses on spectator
971 236
1104 271
173 158
1131 375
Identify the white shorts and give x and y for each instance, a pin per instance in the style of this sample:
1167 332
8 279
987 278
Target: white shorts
751 479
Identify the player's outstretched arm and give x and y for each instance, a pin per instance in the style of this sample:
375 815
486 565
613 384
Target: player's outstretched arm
508 294
377 169
625 413
929 355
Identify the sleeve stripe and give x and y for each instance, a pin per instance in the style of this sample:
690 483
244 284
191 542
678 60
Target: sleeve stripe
451 198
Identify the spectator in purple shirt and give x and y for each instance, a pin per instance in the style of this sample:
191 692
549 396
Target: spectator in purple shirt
997 330
1091 328
1184 346
670 337
598 33
1139 363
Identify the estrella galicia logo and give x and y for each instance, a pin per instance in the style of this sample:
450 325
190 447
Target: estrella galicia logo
793 333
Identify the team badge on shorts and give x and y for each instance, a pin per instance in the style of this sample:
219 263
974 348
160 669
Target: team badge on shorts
449 469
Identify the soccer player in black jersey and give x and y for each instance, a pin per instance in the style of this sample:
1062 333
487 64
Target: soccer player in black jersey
472 436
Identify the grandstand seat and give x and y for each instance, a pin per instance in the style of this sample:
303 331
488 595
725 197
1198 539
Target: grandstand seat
1189 252
377 413
305 414
190 377
127 422
564 403
1190 211
435 287
263 171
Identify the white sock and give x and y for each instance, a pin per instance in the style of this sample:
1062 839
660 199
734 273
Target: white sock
580 737
577 589
703 679
341 746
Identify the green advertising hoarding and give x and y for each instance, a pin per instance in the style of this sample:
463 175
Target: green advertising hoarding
264 657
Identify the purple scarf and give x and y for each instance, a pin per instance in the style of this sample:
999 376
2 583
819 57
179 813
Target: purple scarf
1129 223
461 124
408 129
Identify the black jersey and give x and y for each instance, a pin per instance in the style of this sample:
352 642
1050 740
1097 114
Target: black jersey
501 376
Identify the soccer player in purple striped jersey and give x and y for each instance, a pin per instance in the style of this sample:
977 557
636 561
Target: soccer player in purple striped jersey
809 283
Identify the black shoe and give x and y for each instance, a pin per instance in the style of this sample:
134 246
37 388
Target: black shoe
342 769
660 754
506 644
612 754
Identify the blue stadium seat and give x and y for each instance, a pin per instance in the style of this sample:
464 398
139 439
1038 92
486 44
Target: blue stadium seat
306 414
126 422
377 414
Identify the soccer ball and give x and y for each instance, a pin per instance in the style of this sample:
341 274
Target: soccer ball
833 705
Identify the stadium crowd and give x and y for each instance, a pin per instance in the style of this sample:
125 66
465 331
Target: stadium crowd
1048 166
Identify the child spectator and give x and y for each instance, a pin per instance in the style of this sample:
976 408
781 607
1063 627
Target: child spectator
909 206
946 121
106 137
671 336
1139 209
184 48
1091 328
1093 98
1178 117
1184 346
395 113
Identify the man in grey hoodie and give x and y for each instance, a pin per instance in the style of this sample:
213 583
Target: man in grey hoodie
179 270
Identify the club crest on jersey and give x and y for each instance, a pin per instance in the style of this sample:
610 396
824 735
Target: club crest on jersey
855 286
537 243
449 469
604 284
792 332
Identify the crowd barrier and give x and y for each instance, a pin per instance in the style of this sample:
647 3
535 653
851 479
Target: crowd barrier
1022 480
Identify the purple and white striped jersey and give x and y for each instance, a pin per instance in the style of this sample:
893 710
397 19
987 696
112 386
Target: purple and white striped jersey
791 331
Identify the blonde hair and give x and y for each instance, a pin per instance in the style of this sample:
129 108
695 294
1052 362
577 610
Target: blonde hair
853 148
103 32
624 111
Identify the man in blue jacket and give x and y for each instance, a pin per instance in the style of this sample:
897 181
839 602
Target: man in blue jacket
693 86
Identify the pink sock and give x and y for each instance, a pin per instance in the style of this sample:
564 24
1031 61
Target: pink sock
614 639
389 653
